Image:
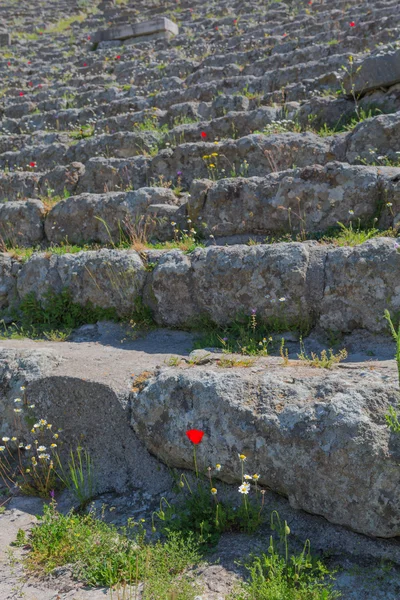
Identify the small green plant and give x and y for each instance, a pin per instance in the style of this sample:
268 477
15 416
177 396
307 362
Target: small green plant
351 72
78 477
21 539
280 576
326 360
353 236
227 362
246 334
85 131
393 419
173 361
396 337
284 353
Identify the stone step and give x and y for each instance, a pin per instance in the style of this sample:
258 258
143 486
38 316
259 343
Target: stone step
300 285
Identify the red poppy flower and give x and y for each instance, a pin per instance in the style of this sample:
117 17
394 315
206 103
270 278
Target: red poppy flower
85 64
203 135
216 29
195 435
234 21
29 62
32 164
21 93
30 83
40 85
352 24
117 57
9 64
88 37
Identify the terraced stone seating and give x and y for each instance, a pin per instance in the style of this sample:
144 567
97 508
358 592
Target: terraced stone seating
258 132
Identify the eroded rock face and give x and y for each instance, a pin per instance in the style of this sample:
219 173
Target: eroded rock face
375 137
317 438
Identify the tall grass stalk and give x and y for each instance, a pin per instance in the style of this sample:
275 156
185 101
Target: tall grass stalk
396 337
78 477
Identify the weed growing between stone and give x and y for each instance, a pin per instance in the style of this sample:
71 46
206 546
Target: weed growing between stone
202 513
326 360
396 337
393 416
53 318
276 576
247 334
28 463
353 236
102 555
79 475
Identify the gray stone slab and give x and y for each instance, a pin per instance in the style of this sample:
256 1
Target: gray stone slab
380 70
159 24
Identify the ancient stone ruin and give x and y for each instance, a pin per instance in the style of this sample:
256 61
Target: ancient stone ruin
198 201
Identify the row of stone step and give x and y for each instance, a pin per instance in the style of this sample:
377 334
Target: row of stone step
375 140
308 201
289 285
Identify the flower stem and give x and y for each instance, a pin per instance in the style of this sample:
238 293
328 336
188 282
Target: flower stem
195 460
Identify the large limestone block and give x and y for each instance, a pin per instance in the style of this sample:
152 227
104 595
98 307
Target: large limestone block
107 278
282 282
375 137
310 199
103 218
144 28
22 223
360 283
376 71
318 438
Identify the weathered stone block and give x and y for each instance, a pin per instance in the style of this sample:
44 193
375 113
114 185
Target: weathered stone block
380 70
107 279
22 223
144 28
319 439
